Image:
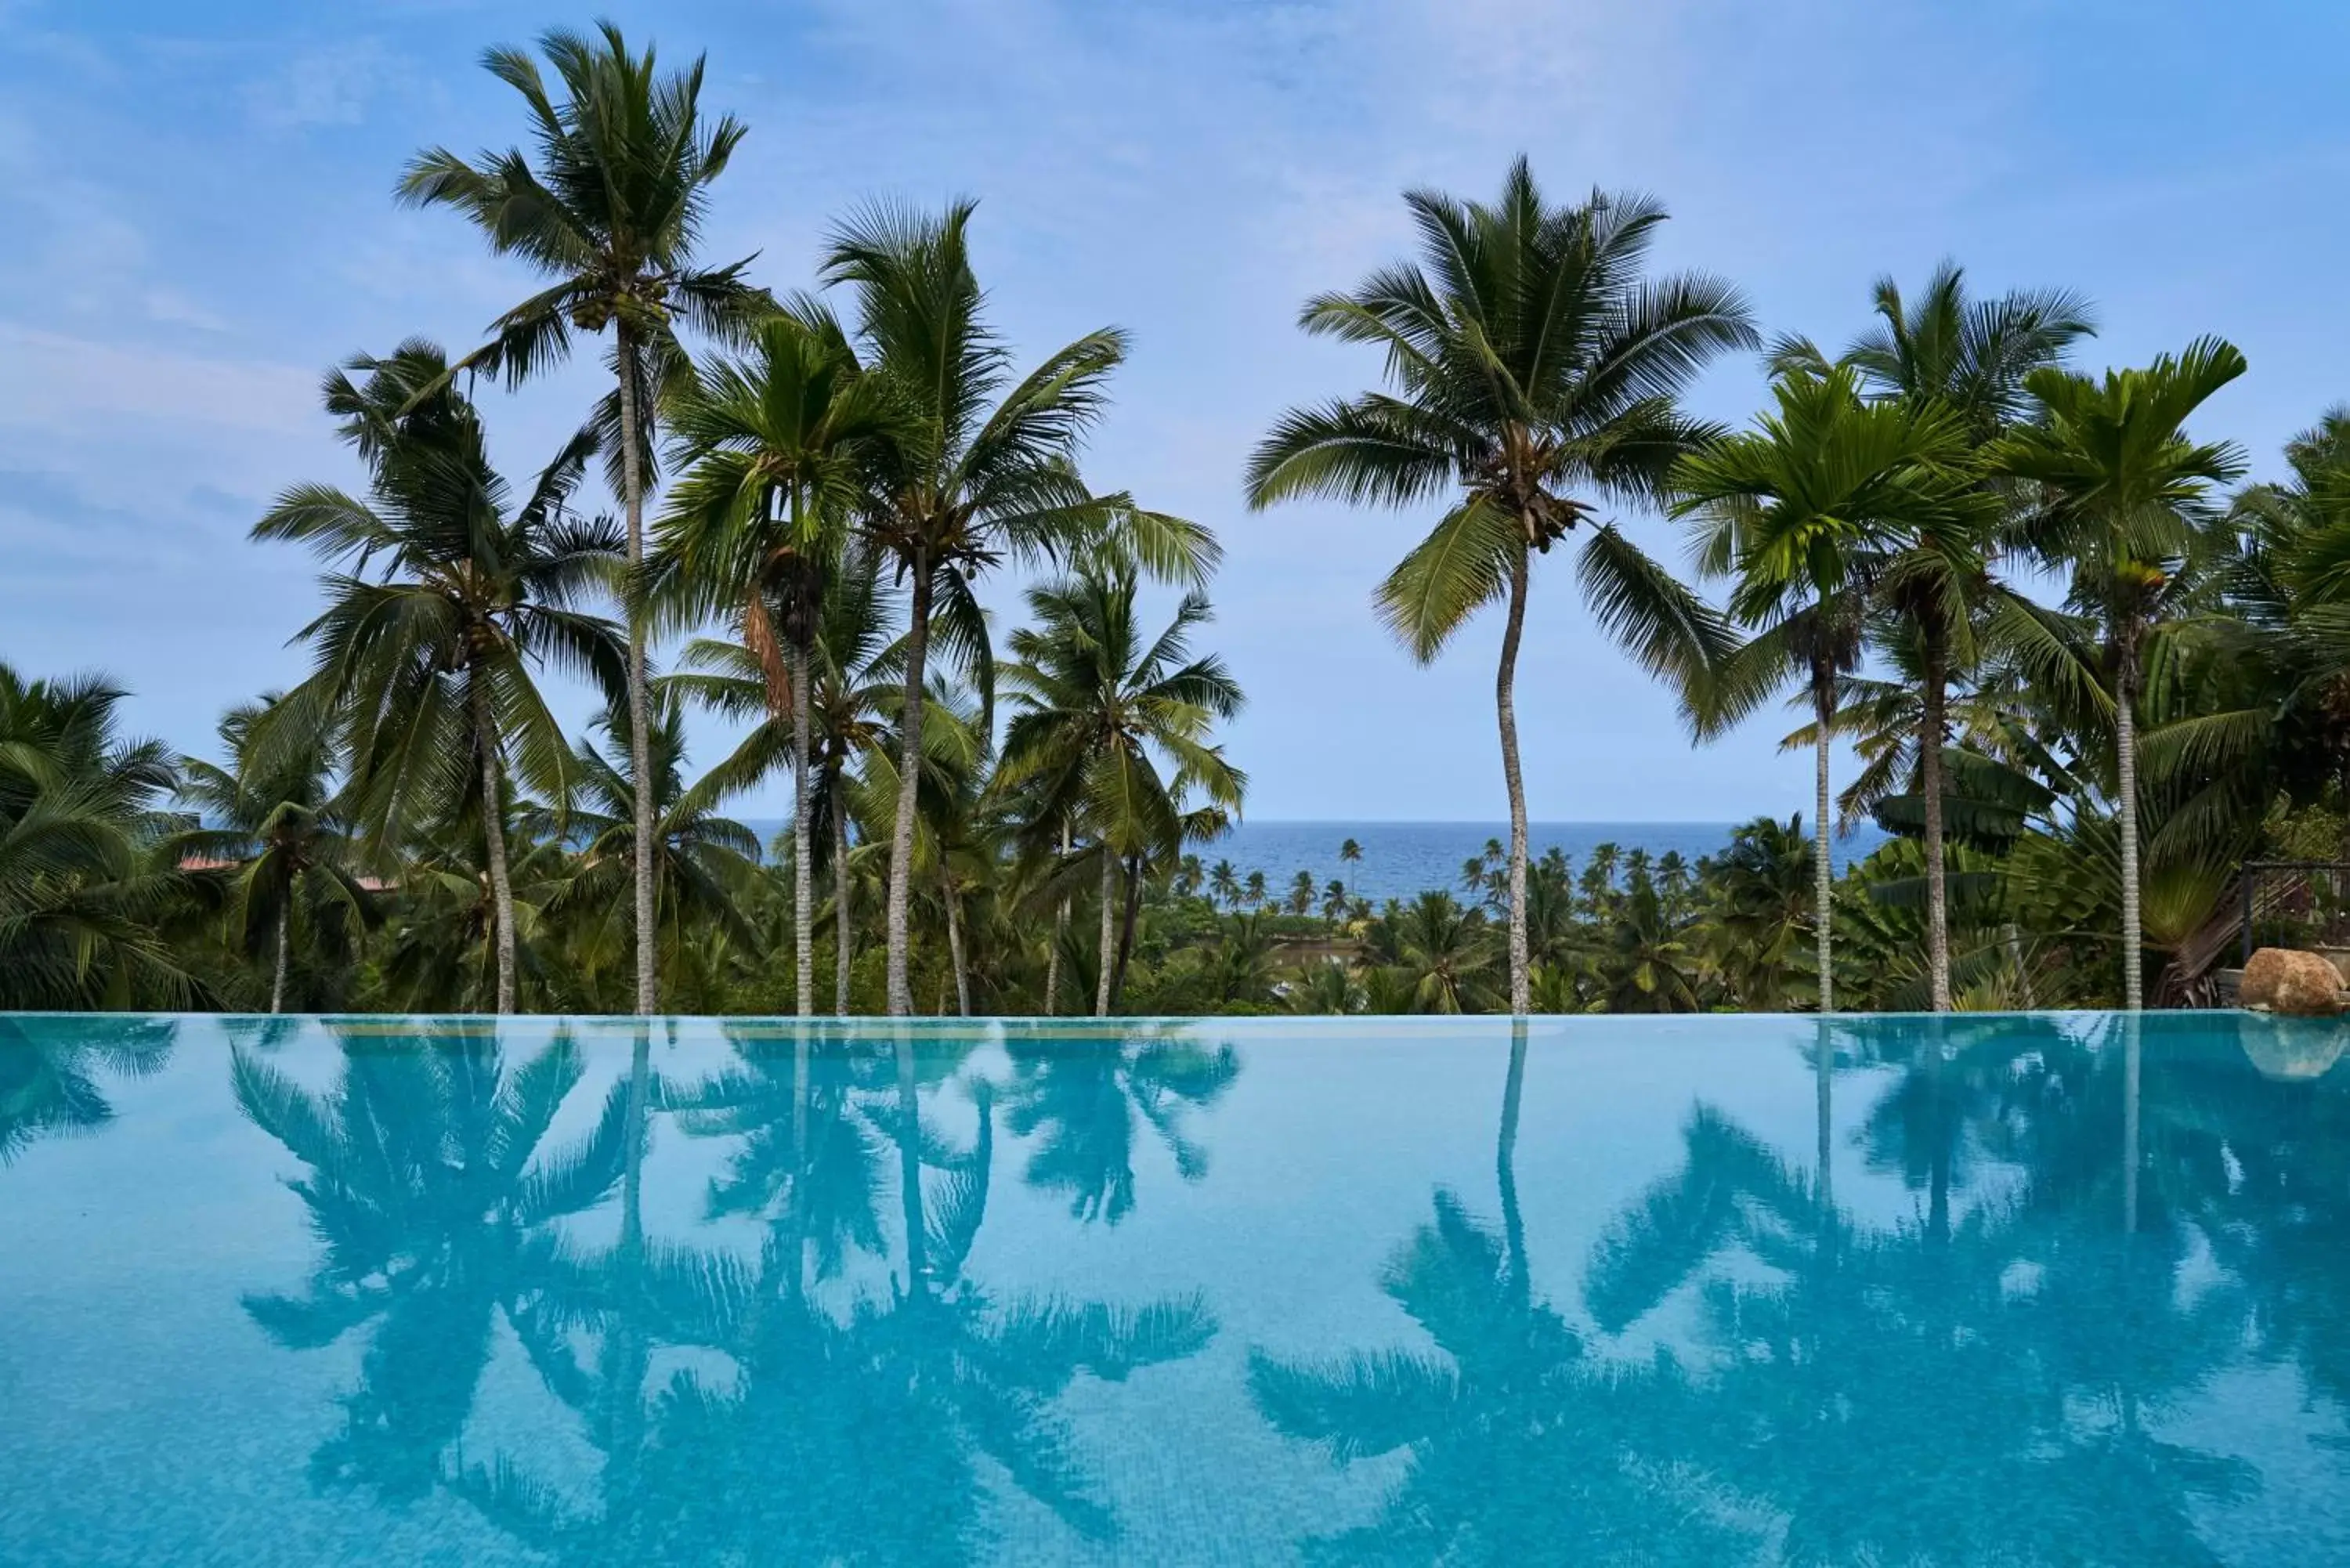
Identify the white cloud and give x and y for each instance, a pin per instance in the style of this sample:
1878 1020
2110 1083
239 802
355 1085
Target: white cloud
172 308
332 86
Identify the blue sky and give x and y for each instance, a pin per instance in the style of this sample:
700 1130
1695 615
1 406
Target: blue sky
198 221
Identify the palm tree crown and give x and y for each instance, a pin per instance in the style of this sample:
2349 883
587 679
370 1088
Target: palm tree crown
1534 372
444 594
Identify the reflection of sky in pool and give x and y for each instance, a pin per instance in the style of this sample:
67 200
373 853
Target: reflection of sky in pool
387 1293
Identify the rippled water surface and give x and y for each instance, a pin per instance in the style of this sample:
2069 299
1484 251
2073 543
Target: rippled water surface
1995 1291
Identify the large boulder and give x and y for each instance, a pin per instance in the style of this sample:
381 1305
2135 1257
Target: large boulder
2297 984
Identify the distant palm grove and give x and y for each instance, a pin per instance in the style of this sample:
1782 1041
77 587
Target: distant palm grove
2087 672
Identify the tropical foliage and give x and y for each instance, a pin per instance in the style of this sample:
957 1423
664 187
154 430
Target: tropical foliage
2082 683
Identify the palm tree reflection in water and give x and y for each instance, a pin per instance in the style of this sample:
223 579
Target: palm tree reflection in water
49 1083
434 1204
1524 1445
2103 1219
741 1409
1081 1099
1993 1379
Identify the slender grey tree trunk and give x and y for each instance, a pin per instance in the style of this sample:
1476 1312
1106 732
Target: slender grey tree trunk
1060 930
1133 910
802 868
1822 877
1506 711
844 927
493 837
633 502
277 984
2133 936
1108 932
909 773
1931 737
955 947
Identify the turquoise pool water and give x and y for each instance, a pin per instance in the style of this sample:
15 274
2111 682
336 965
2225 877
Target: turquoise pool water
1995 1291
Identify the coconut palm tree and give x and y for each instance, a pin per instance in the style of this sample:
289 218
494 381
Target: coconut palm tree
1802 513
277 817
1446 954
1350 854
1224 882
703 863
1764 885
1535 374
756 524
1966 359
87 870
1301 893
854 689
443 595
1112 732
2122 492
611 215
986 466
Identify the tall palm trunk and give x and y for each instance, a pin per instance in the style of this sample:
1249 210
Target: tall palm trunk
1108 932
493 837
844 927
1506 711
1125 927
277 984
954 946
909 773
1823 878
633 502
2125 725
803 872
1931 737
1060 933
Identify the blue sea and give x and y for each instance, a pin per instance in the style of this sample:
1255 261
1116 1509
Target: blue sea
1401 859
1404 858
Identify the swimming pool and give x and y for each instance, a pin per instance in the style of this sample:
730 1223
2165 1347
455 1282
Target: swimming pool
1983 1290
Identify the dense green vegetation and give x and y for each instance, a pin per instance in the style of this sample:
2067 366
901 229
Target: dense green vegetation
2085 680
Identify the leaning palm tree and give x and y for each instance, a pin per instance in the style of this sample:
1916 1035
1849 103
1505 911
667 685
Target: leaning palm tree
277 816
1802 513
1534 372
2123 489
611 214
985 468
1967 358
755 527
443 597
1111 730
